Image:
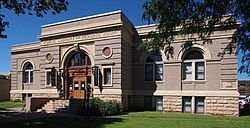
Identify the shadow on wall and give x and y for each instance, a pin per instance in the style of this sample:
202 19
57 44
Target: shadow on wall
5 89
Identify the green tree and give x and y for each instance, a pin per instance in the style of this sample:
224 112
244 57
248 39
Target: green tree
248 90
201 17
2 76
30 7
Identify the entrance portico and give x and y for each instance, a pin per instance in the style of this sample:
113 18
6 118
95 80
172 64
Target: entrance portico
77 74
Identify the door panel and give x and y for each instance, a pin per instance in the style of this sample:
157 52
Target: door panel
79 87
81 77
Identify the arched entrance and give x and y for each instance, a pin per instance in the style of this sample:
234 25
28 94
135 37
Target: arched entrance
78 75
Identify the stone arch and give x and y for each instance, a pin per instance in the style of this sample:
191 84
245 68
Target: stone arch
201 48
145 55
27 61
70 50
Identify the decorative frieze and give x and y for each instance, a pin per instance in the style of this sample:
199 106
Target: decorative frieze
81 37
228 85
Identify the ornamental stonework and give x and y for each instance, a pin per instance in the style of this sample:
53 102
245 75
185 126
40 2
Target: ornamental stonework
81 37
228 85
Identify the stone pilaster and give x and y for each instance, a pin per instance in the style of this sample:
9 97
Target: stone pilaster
222 106
172 103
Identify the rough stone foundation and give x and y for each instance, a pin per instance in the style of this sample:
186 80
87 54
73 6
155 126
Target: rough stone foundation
15 96
109 97
222 106
172 103
18 96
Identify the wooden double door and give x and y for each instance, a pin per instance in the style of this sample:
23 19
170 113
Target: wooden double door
79 82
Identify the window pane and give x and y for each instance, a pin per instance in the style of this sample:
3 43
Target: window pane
187 104
82 85
29 67
199 104
157 57
149 72
194 54
48 78
187 71
79 59
25 77
158 103
154 58
31 76
107 75
199 71
158 71
76 86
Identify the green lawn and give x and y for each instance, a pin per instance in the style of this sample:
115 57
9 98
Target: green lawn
9 104
136 120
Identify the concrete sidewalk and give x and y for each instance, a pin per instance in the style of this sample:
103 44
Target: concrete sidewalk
10 110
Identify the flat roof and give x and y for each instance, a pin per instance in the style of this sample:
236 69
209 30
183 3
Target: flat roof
82 18
26 43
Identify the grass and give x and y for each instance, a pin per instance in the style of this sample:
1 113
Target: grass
10 104
136 120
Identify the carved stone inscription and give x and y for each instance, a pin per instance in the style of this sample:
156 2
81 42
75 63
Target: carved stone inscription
81 37
228 84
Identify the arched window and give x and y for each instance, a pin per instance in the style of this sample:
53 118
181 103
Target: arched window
154 68
193 66
79 59
28 73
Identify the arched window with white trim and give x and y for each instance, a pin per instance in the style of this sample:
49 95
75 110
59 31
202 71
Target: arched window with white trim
154 68
193 66
28 73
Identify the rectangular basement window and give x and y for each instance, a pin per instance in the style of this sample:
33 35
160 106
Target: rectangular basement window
158 103
187 104
199 105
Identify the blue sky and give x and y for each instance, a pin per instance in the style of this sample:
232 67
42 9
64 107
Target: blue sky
26 28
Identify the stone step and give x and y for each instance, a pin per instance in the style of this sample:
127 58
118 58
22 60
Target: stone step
39 110
54 106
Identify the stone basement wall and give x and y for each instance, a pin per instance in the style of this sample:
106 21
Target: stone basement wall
15 96
104 97
18 96
222 106
172 103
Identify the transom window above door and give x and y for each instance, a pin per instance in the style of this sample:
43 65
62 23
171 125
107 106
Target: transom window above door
79 59
154 68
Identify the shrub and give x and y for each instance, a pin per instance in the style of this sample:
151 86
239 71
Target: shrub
248 90
99 107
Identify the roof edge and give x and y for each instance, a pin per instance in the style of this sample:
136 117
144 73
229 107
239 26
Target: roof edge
82 18
27 43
